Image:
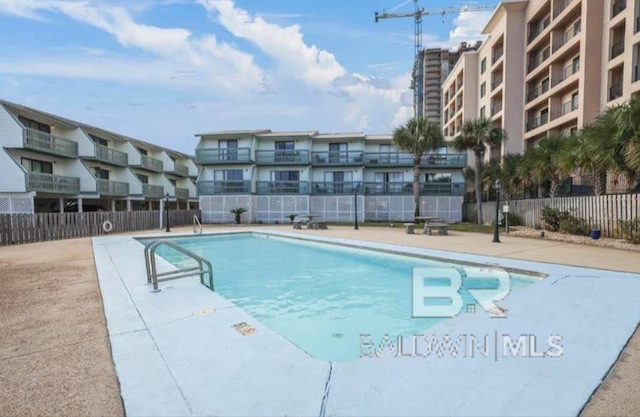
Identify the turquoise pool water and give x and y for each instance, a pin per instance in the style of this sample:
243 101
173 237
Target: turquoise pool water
320 297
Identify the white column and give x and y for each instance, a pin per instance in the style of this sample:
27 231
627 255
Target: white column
80 209
161 214
113 205
128 205
61 204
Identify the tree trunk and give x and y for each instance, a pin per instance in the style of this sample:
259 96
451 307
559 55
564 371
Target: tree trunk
416 187
478 187
600 182
553 188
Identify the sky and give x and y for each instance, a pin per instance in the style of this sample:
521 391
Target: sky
164 70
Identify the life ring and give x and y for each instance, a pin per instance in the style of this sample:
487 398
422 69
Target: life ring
107 226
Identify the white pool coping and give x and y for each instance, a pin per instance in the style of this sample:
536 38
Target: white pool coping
170 361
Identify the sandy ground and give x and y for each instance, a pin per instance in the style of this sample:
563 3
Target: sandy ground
54 348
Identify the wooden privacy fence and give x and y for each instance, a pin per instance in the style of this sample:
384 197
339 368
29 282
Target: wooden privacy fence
27 228
602 211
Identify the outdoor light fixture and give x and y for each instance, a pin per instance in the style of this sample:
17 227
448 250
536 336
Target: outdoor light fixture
355 205
166 210
496 226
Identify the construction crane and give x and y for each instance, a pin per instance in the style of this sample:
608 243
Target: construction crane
417 15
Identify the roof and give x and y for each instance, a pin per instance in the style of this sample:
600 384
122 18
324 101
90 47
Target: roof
45 115
357 135
387 136
499 12
235 132
286 134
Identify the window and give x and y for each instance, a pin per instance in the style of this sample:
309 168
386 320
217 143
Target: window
285 145
544 85
227 175
102 174
173 182
338 152
32 124
99 141
483 113
34 165
228 149
142 151
575 97
575 64
285 176
483 65
483 89
337 182
388 182
544 116
143 178
438 177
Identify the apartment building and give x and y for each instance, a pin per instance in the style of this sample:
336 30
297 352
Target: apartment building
52 164
432 67
275 174
575 58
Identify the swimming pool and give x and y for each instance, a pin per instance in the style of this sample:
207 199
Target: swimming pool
319 296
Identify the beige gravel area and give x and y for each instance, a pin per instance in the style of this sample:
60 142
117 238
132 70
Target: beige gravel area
54 349
55 357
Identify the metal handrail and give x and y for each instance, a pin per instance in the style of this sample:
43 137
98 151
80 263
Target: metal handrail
153 277
196 220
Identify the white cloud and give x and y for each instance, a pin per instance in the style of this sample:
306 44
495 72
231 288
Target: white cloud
468 26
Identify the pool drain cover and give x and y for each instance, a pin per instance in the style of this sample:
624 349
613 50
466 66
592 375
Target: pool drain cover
244 328
203 312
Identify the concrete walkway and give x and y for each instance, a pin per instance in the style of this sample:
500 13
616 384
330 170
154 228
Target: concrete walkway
592 310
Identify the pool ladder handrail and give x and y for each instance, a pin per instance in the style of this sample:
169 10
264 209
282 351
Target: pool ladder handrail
196 221
153 277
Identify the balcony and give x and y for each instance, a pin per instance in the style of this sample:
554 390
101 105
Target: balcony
537 92
495 109
47 143
335 188
452 160
333 158
182 193
617 48
560 6
282 157
388 158
566 37
223 156
617 7
224 187
568 71
111 156
497 54
636 73
538 28
615 91
537 122
282 187
538 59
406 188
152 191
566 108
54 184
112 188
150 164
496 82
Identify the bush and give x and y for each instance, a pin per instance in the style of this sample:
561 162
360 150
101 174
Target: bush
552 218
574 226
630 230
514 219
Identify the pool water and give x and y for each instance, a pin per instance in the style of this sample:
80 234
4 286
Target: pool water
321 297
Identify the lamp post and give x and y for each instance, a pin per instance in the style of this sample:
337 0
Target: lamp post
355 205
496 226
166 211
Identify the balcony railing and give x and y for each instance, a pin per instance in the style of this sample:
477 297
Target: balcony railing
180 170
617 48
337 158
560 6
406 188
45 142
54 184
112 188
224 187
566 72
111 156
496 82
150 163
537 91
497 54
335 188
283 157
566 37
152 191
182 193
618 6
388 158
538 28
223 156
615 92
538 59
451 160
537 122
282 187
566 108
496 108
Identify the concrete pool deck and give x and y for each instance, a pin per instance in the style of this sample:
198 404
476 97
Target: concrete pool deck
176 353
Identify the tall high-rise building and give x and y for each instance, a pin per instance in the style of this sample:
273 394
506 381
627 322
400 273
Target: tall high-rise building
431 69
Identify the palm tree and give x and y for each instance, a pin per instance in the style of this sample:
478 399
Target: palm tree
417 136
627 120
476 136
509 174
578 154
544 160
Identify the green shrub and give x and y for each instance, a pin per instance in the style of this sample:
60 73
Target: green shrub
574 226
630 230
514 219
552 218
